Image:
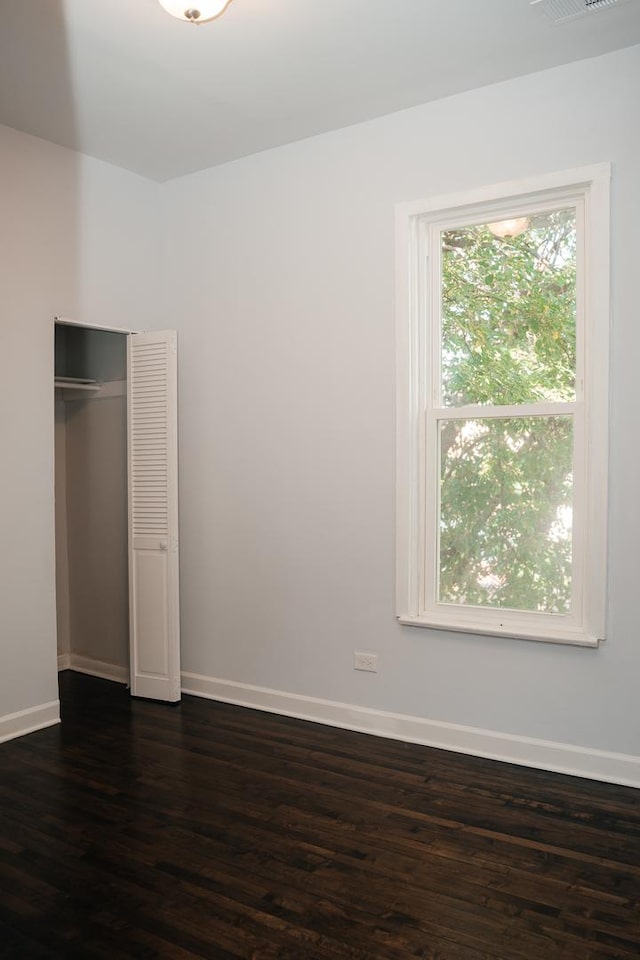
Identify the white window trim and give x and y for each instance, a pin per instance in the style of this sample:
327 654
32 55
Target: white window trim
586 625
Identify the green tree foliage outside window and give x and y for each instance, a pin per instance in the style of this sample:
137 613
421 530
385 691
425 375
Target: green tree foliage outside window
508 338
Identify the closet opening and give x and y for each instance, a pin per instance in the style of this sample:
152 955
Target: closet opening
91 501
116 505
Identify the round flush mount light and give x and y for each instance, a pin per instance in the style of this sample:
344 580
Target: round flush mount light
200 11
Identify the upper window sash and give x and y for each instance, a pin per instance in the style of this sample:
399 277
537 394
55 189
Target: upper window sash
429 257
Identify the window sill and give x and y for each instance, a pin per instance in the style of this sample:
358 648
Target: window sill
553 635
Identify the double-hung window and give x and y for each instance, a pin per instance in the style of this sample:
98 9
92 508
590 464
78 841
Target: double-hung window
503 317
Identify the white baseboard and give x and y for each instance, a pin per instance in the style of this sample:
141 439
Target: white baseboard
94 668
64 662
27 721
544 754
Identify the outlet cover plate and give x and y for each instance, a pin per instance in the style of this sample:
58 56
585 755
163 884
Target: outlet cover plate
365 661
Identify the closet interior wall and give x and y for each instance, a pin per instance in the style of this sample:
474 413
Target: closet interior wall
91 499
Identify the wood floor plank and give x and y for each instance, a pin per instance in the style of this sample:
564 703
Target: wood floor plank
206 830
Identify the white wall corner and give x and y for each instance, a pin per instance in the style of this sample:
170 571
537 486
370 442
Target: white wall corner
27 721
525 751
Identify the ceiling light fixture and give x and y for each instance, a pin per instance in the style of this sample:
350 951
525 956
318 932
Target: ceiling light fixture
201 12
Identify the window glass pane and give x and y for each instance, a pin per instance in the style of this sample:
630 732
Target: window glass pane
506 512
509 310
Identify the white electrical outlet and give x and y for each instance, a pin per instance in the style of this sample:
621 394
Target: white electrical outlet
365 661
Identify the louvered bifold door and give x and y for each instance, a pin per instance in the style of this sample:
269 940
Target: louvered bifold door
153 516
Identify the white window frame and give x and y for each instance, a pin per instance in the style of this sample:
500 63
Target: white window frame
418 227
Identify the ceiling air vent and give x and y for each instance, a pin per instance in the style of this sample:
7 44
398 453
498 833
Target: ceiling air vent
569 9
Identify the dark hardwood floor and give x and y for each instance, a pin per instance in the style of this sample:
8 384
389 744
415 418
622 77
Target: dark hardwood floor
212 831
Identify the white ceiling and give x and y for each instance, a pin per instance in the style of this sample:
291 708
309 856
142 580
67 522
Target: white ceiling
123 81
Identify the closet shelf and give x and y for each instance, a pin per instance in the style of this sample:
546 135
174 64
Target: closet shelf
75 383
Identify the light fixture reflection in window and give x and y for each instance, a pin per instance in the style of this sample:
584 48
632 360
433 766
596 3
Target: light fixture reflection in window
509 228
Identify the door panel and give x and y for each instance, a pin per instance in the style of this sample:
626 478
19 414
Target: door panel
150 576
153 515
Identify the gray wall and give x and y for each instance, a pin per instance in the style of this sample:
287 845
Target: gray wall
78 238
287 350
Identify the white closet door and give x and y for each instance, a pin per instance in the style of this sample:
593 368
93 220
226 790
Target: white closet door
153 516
